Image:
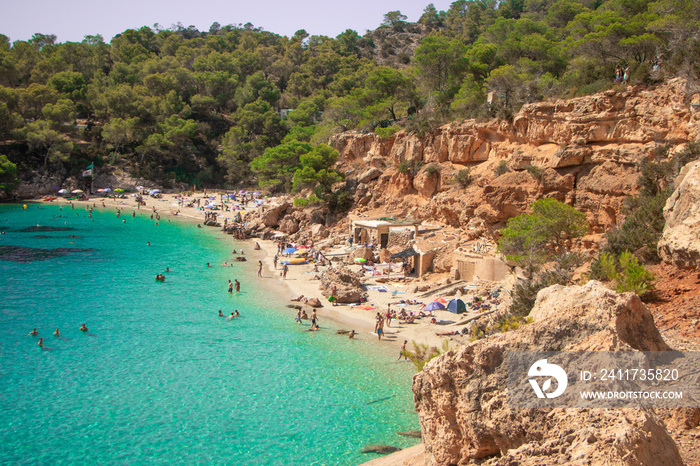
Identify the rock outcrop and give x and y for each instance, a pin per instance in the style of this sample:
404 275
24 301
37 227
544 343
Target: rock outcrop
588 148
462 397
680 242
345 282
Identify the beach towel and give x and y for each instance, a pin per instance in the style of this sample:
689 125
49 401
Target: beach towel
379 288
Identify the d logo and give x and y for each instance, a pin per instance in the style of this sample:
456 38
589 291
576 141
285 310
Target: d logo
542 369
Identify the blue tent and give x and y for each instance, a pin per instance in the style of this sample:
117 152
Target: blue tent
456 306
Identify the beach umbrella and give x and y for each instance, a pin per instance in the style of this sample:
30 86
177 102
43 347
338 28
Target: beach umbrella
63 191
119 190
456 306
242 191
440 300
108 190
139 187
360 260
434 306
303 247
77 191
289 251
256 193
154 191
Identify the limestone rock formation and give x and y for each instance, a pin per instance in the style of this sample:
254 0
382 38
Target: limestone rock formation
588 148
680 242
371 174
346 283
270 218
462 397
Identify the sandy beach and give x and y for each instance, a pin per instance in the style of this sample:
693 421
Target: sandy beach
301 280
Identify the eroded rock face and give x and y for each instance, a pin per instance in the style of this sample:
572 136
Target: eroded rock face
588 147
271 217
461 397
680 242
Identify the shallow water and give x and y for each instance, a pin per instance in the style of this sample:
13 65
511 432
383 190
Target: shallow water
159 377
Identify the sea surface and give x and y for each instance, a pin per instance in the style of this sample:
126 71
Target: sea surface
159 378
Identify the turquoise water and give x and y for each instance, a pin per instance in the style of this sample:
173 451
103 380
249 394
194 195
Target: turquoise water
160 378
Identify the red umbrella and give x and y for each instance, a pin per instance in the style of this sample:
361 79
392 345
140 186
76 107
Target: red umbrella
440 300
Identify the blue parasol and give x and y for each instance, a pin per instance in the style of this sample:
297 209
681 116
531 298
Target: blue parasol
289 251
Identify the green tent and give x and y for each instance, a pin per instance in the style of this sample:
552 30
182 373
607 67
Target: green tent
456 306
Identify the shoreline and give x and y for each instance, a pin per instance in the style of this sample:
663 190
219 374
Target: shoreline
299 282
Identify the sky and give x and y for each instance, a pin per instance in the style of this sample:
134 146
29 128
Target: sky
72 20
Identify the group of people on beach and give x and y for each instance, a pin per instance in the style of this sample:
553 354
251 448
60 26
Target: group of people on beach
235 284
56 334
302 315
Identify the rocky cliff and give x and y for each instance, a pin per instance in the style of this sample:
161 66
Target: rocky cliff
680 243
584 152
462 397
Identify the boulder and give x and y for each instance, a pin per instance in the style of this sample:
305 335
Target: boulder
318 231
314 302
462 396
361 253
384 256
680 242
270 218
289 225
426 184
370 175
345 281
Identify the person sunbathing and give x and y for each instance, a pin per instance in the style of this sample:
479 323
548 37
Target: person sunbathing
452 332
300 298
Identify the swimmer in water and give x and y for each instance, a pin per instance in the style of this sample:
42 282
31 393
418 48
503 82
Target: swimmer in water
57 333
33 333
351 334
41 343
236 313
221 314
83 328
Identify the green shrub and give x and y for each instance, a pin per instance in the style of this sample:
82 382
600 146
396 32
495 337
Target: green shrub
387 132
464 177
642 227
433 169
312 200
422 353
535 171
606 267
634 276
501 168
410 166
339 201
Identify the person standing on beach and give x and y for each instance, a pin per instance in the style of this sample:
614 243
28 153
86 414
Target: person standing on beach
297 319
403 350
274 261
285 269
230 286
313 317
260 269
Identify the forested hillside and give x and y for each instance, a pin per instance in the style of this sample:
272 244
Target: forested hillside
236 105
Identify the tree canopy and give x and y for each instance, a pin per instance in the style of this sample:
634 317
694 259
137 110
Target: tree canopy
182 104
